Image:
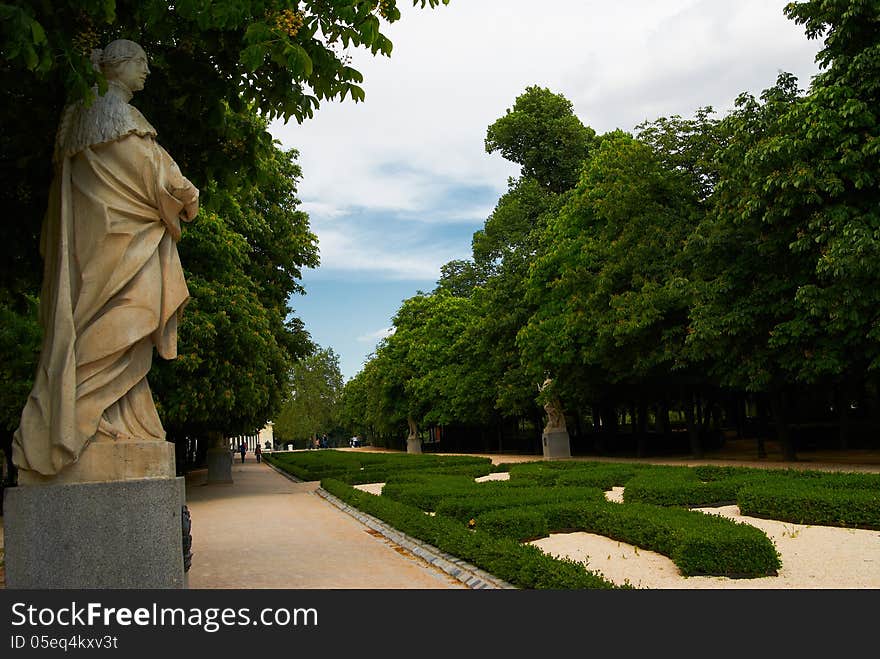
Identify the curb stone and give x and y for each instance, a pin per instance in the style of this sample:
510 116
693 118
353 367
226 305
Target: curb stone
470 575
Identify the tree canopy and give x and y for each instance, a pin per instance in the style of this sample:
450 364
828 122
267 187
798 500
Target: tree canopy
724 268
220 70
311 399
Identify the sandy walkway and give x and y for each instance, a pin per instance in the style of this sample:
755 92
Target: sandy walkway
264 531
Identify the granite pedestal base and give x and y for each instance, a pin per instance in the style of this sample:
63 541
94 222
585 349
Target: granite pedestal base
123 534
556 444
413 445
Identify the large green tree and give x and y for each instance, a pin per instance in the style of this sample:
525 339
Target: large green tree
542 134
311 408
794 305
610 295
220 69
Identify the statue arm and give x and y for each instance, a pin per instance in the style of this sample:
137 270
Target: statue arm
178 198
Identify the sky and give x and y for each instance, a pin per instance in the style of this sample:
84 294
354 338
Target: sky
395 186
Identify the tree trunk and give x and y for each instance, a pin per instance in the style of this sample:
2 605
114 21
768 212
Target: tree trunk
692 428
843 403
779 409
664 417
598 431
761 429
609 418
641 430
181 450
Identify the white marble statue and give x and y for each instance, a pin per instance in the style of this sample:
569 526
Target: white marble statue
553 408
113 285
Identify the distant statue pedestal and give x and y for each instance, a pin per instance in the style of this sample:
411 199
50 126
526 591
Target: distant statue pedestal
113 519
219 466
413 443
556 444
219 462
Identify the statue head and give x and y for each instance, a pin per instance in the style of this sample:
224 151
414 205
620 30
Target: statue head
123 61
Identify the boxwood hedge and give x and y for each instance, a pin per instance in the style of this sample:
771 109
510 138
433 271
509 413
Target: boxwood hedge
521 565
355 467
803 502
543 497
699 544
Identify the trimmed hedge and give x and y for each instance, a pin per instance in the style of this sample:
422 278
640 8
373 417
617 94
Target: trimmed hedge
520 565
465 508
357 468
799 496
803 502
543 497
682 486
425 491
697 543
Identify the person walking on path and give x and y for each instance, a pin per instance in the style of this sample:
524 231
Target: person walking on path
258 452
242 449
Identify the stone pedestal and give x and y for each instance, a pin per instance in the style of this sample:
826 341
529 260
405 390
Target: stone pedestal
112 460
219 465
414 445
556 444
122 534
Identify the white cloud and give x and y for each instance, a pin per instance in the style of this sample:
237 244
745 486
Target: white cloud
377 336
456 69
352 250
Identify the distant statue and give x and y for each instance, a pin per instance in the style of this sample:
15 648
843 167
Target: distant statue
113 285
413 443
553 408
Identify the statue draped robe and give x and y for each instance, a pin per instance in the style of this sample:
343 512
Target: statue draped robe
113 284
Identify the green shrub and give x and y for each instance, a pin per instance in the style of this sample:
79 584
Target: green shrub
469 506
699 544
523 566
543 497
683 486
357 468
520 523
425 491
601 475
803 502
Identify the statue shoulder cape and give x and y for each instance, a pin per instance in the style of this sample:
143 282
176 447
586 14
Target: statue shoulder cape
107 119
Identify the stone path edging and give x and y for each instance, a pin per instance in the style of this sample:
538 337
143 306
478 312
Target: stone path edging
470 575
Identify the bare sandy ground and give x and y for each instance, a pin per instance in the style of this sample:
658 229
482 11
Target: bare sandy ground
813 557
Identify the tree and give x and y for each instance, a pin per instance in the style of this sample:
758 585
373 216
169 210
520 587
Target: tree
20 337
272 57
220 70
609 293
542 134
453 357
688 146
511 232
314 391
283 57
795 305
